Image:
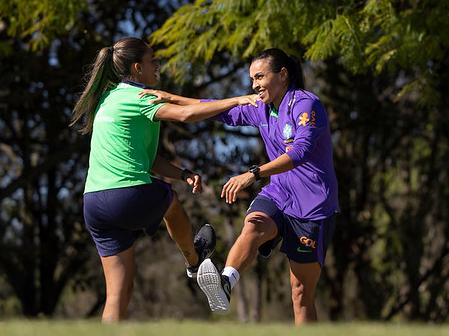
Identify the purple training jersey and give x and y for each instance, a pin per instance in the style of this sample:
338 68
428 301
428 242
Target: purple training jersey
299 128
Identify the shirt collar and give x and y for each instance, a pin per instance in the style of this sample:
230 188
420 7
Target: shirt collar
287 99
137 84
274 112
285 102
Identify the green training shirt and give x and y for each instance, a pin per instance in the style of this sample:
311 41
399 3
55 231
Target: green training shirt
124 140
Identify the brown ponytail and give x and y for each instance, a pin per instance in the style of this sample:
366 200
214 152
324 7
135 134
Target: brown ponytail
112 65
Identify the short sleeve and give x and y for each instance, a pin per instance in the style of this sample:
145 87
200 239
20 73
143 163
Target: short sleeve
149 110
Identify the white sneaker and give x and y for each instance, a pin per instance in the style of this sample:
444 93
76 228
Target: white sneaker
215 285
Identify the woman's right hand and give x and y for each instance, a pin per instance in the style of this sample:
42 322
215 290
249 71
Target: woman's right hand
249 99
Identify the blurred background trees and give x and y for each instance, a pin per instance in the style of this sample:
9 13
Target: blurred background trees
380 67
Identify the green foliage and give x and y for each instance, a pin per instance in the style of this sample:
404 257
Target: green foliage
37 22
339 36
372 35
198 31
407 37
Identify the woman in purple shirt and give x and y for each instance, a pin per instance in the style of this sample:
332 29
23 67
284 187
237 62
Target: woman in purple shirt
299 203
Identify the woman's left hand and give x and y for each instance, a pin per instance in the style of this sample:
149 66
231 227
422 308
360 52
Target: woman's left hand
236 184
161 96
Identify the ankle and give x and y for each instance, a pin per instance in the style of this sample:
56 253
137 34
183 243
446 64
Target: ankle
192 261
232 274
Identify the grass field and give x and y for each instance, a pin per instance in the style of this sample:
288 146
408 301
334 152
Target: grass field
187 328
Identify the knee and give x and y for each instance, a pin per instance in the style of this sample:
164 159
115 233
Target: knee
251 232
258 229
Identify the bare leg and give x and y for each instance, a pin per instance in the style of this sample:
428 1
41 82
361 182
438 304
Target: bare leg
180 230
258 229
119 273
303 281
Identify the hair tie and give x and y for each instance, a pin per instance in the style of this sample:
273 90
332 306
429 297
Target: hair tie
111 49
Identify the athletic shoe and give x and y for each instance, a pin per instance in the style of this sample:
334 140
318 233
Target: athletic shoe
267 248
204 243
215 285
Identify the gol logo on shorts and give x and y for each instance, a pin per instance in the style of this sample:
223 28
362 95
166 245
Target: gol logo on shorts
308 242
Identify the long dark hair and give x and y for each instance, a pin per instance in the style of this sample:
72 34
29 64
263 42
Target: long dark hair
112 65
279 59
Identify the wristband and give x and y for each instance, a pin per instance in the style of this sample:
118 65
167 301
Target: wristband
256 171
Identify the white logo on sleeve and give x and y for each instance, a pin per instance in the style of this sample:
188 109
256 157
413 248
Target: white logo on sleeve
102 117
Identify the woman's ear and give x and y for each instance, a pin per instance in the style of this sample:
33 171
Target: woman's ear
136 69
284 74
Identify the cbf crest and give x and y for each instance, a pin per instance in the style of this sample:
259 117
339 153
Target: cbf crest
287 132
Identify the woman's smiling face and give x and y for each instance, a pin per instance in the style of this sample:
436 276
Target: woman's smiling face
269 85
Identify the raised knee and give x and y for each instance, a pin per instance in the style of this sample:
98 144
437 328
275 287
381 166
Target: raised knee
251 232
257 228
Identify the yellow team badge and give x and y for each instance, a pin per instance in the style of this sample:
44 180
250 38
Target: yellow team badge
303 119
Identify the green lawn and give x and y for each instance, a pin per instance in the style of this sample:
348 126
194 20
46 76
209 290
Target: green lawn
186 328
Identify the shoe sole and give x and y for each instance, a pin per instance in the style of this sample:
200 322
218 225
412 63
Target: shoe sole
209 280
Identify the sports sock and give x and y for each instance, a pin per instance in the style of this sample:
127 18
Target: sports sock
232 274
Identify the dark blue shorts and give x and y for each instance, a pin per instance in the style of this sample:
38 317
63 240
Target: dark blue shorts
303 241
115 218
